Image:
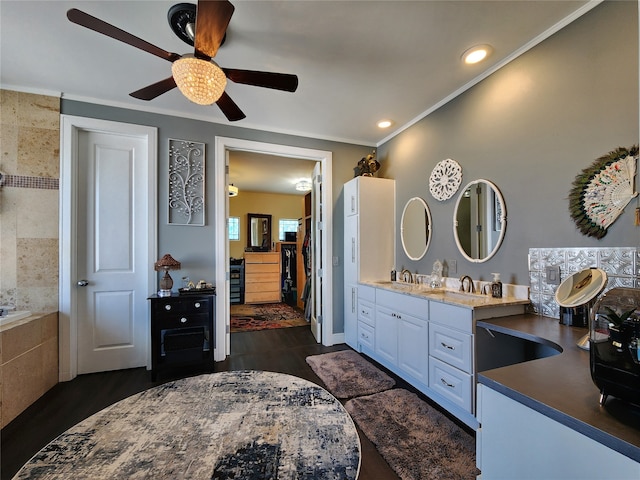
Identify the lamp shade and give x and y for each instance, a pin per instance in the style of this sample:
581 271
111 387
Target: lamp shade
167 262
201 81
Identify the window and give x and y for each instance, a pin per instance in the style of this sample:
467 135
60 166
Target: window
234 228
286 225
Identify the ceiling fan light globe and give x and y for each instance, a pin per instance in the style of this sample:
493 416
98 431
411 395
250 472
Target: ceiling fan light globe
201 81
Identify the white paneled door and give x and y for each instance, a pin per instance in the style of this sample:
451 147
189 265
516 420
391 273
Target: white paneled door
112 264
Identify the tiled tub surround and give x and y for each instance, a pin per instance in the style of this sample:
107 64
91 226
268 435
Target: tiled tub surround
28 362
622 266
30 160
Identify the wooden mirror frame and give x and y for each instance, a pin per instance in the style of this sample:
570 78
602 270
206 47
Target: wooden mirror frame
266 235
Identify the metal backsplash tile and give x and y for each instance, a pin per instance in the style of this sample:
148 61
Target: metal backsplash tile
621 264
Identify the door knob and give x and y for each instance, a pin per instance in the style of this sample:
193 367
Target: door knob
82 283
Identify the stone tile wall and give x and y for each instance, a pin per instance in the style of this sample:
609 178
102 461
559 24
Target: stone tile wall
30 163
622 266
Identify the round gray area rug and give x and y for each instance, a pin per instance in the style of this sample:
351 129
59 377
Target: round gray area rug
247 424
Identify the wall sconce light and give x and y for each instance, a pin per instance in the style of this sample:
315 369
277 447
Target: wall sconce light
165 264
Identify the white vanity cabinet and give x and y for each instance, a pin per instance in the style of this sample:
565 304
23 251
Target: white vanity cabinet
366 319
369 236
451 352
429 344
402 331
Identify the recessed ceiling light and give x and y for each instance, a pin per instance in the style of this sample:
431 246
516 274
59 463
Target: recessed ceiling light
385 123
476 54
303 185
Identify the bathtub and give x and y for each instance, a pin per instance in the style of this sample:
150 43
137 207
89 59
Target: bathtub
14 316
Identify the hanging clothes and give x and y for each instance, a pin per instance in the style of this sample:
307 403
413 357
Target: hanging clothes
306 292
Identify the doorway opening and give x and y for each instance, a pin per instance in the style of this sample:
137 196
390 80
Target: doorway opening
322 315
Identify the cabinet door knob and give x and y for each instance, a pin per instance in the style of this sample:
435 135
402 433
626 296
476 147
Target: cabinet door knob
167 307
183 320
197 305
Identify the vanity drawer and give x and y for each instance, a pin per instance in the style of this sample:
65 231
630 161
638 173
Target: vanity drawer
451 383
451 346
451 315
400 302
366 312
366 335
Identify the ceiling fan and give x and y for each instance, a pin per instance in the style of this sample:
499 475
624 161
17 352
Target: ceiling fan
197 76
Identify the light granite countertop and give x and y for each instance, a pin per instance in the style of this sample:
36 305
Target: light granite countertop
474 301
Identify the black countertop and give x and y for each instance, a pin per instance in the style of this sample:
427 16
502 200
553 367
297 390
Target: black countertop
560 386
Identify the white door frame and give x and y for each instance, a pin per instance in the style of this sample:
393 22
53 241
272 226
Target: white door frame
67 309
223 145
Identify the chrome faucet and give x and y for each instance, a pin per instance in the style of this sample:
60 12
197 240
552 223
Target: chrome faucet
469 288
406 276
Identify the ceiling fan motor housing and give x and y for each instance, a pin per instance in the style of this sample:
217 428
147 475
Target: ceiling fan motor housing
182 19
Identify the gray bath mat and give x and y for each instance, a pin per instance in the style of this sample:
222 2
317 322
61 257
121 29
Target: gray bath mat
346 374
415 439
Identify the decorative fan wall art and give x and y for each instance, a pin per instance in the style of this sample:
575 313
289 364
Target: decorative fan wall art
445 179
601 192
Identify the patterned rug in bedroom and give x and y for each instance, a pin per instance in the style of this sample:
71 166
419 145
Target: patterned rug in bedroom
249 318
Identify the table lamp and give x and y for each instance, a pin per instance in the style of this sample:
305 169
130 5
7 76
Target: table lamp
165 264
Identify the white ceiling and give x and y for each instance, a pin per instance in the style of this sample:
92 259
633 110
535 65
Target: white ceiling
357 61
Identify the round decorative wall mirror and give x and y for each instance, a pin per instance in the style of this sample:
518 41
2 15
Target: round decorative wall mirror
479 220
415 228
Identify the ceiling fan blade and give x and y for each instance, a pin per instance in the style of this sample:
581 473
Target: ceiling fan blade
100 26
278 81
212 19
229 108
155 90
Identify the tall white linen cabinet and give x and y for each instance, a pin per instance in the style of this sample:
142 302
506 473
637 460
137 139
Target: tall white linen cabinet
369 243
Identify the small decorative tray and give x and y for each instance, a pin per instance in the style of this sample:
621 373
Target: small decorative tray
197 291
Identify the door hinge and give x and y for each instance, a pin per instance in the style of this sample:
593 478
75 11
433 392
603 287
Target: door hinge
320 273
227 276
226 169
320 226
319 319
228 329
319 178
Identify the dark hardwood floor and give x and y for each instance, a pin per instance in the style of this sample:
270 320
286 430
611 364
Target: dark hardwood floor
67 403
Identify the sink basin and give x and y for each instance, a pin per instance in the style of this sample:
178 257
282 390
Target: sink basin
396 285
462 295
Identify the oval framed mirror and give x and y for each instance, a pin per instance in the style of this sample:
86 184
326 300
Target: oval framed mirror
415 228
479 220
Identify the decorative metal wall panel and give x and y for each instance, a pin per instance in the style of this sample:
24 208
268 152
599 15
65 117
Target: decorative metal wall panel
186 182
622 266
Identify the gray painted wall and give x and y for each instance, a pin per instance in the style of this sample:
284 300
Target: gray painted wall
530 128
193 246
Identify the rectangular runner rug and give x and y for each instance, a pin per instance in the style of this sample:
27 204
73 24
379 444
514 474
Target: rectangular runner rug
248 318
416 440
347 374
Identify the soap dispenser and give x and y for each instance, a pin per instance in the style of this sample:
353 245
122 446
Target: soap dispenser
496 286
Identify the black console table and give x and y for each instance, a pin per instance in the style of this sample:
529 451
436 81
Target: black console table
182 332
